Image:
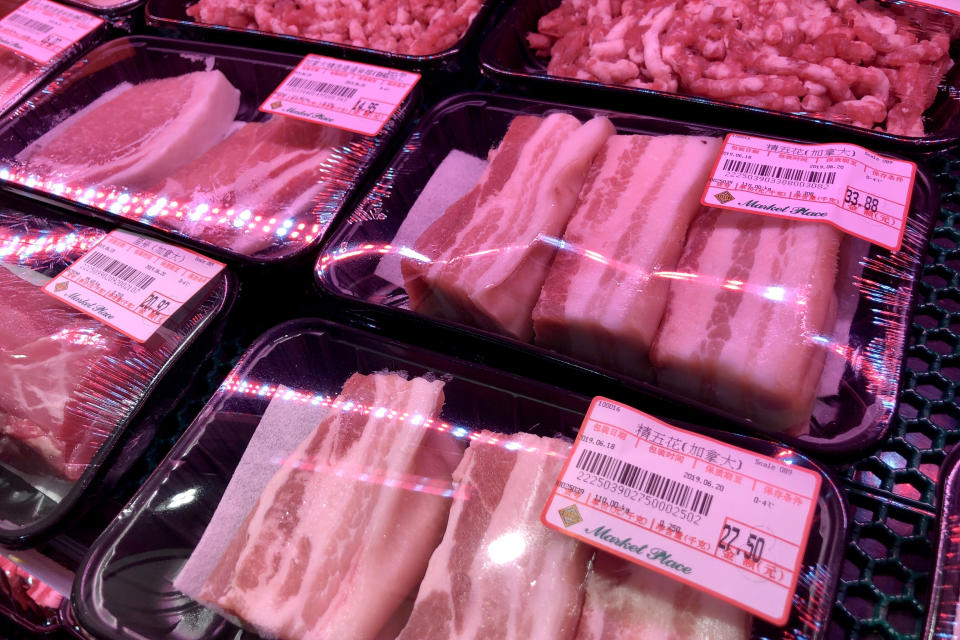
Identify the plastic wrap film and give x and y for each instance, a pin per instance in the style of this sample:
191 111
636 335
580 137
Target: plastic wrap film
71 385
199 162
866 69
943 616
20 75
472 452
673 303
425 36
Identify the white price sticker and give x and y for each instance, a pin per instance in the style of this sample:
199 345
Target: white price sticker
849 187
42 30
347 95
134 284
716 517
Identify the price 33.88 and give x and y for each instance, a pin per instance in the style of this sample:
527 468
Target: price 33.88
853 197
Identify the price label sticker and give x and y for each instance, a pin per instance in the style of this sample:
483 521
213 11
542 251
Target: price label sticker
42 30
719 518
348 95
849 187
134 284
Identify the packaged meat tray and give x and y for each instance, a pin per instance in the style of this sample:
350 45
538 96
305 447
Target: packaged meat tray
879 73
200 162
20 75
943 614
384 531
436 36
70 386
549 248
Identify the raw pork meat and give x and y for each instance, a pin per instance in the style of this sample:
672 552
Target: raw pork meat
484 260
16 72
855 62
499 572
275 168
606 291
341 534
744 331
48 353
177 119
626 601
419 28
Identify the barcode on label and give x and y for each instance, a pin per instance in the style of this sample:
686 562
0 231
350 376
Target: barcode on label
652 484
315 86
772 171
119 269
30 23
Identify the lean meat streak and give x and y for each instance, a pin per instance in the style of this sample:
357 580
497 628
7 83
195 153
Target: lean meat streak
485 259
48 352
340 535
177 119
278 166
607 288
499 572
745 332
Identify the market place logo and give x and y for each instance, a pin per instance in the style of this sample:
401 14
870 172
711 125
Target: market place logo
61 286
570 515
724 197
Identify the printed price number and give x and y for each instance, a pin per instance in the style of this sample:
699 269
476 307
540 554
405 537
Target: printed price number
853 196
52 40
752 546
154 305
365 106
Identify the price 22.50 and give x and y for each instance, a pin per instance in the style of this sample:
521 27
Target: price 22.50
853 196
752 548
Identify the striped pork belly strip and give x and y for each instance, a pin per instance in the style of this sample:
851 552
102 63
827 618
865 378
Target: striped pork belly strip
743 329
626 601
486 257
275 168
603 298
342 532
499 572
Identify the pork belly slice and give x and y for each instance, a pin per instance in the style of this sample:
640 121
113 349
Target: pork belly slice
344 529
625 601
133 136
743 329
499 572
605 293
49 354
485 259
274 168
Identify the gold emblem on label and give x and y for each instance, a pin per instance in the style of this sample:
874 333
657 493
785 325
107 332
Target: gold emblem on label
276 104
570 515
724 197
60 286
